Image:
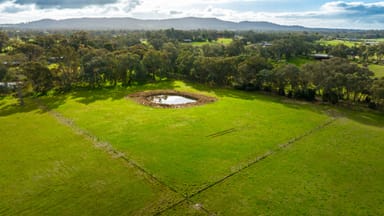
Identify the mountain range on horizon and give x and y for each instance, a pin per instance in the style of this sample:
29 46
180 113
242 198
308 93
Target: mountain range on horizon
188 23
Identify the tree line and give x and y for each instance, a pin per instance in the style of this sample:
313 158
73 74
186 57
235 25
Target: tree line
62 61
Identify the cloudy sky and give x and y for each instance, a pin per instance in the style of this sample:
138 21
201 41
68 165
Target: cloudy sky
311 13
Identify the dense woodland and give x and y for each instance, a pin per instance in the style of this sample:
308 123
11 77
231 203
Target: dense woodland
52 63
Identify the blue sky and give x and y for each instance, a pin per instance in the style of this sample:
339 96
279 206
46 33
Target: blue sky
311 13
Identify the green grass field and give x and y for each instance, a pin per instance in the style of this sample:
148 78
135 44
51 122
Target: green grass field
337 42
47 169
336 171
314 164
377 69
224 41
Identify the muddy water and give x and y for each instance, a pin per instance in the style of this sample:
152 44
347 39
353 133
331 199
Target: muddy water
170 99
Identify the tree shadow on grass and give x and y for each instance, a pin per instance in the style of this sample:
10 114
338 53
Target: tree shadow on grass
88 96
9 105
262 96
231 92
363 116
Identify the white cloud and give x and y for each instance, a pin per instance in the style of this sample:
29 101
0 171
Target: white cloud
346 15
342 6
62 3
333 14
30 12
337 14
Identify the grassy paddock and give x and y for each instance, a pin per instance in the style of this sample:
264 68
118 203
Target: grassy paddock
223 41
377 69
48 169
337 42
182 152
336 171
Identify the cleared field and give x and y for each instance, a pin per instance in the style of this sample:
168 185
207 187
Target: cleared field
182 153
224 41
377 69
336 171
245 154
47 169
337 42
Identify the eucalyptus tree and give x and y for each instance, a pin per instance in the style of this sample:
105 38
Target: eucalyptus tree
340 50
129 68
185 60
380 52
235 48
378 91
213 50
79 39
39 76
3 72
32 51
3 40
154 63
68 65
94 66
157 39
292 77
169 54
219 71
248 72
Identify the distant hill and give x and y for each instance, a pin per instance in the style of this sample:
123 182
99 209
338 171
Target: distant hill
189 23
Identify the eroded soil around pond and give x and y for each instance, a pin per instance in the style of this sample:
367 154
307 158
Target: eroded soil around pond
146 98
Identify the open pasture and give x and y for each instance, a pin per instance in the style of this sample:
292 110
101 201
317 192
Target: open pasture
377 69
99 152
338 42
221 41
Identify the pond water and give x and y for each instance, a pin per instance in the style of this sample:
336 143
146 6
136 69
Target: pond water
170 99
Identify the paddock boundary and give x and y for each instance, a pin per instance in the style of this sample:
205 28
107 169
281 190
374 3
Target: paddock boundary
107 147
269 153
